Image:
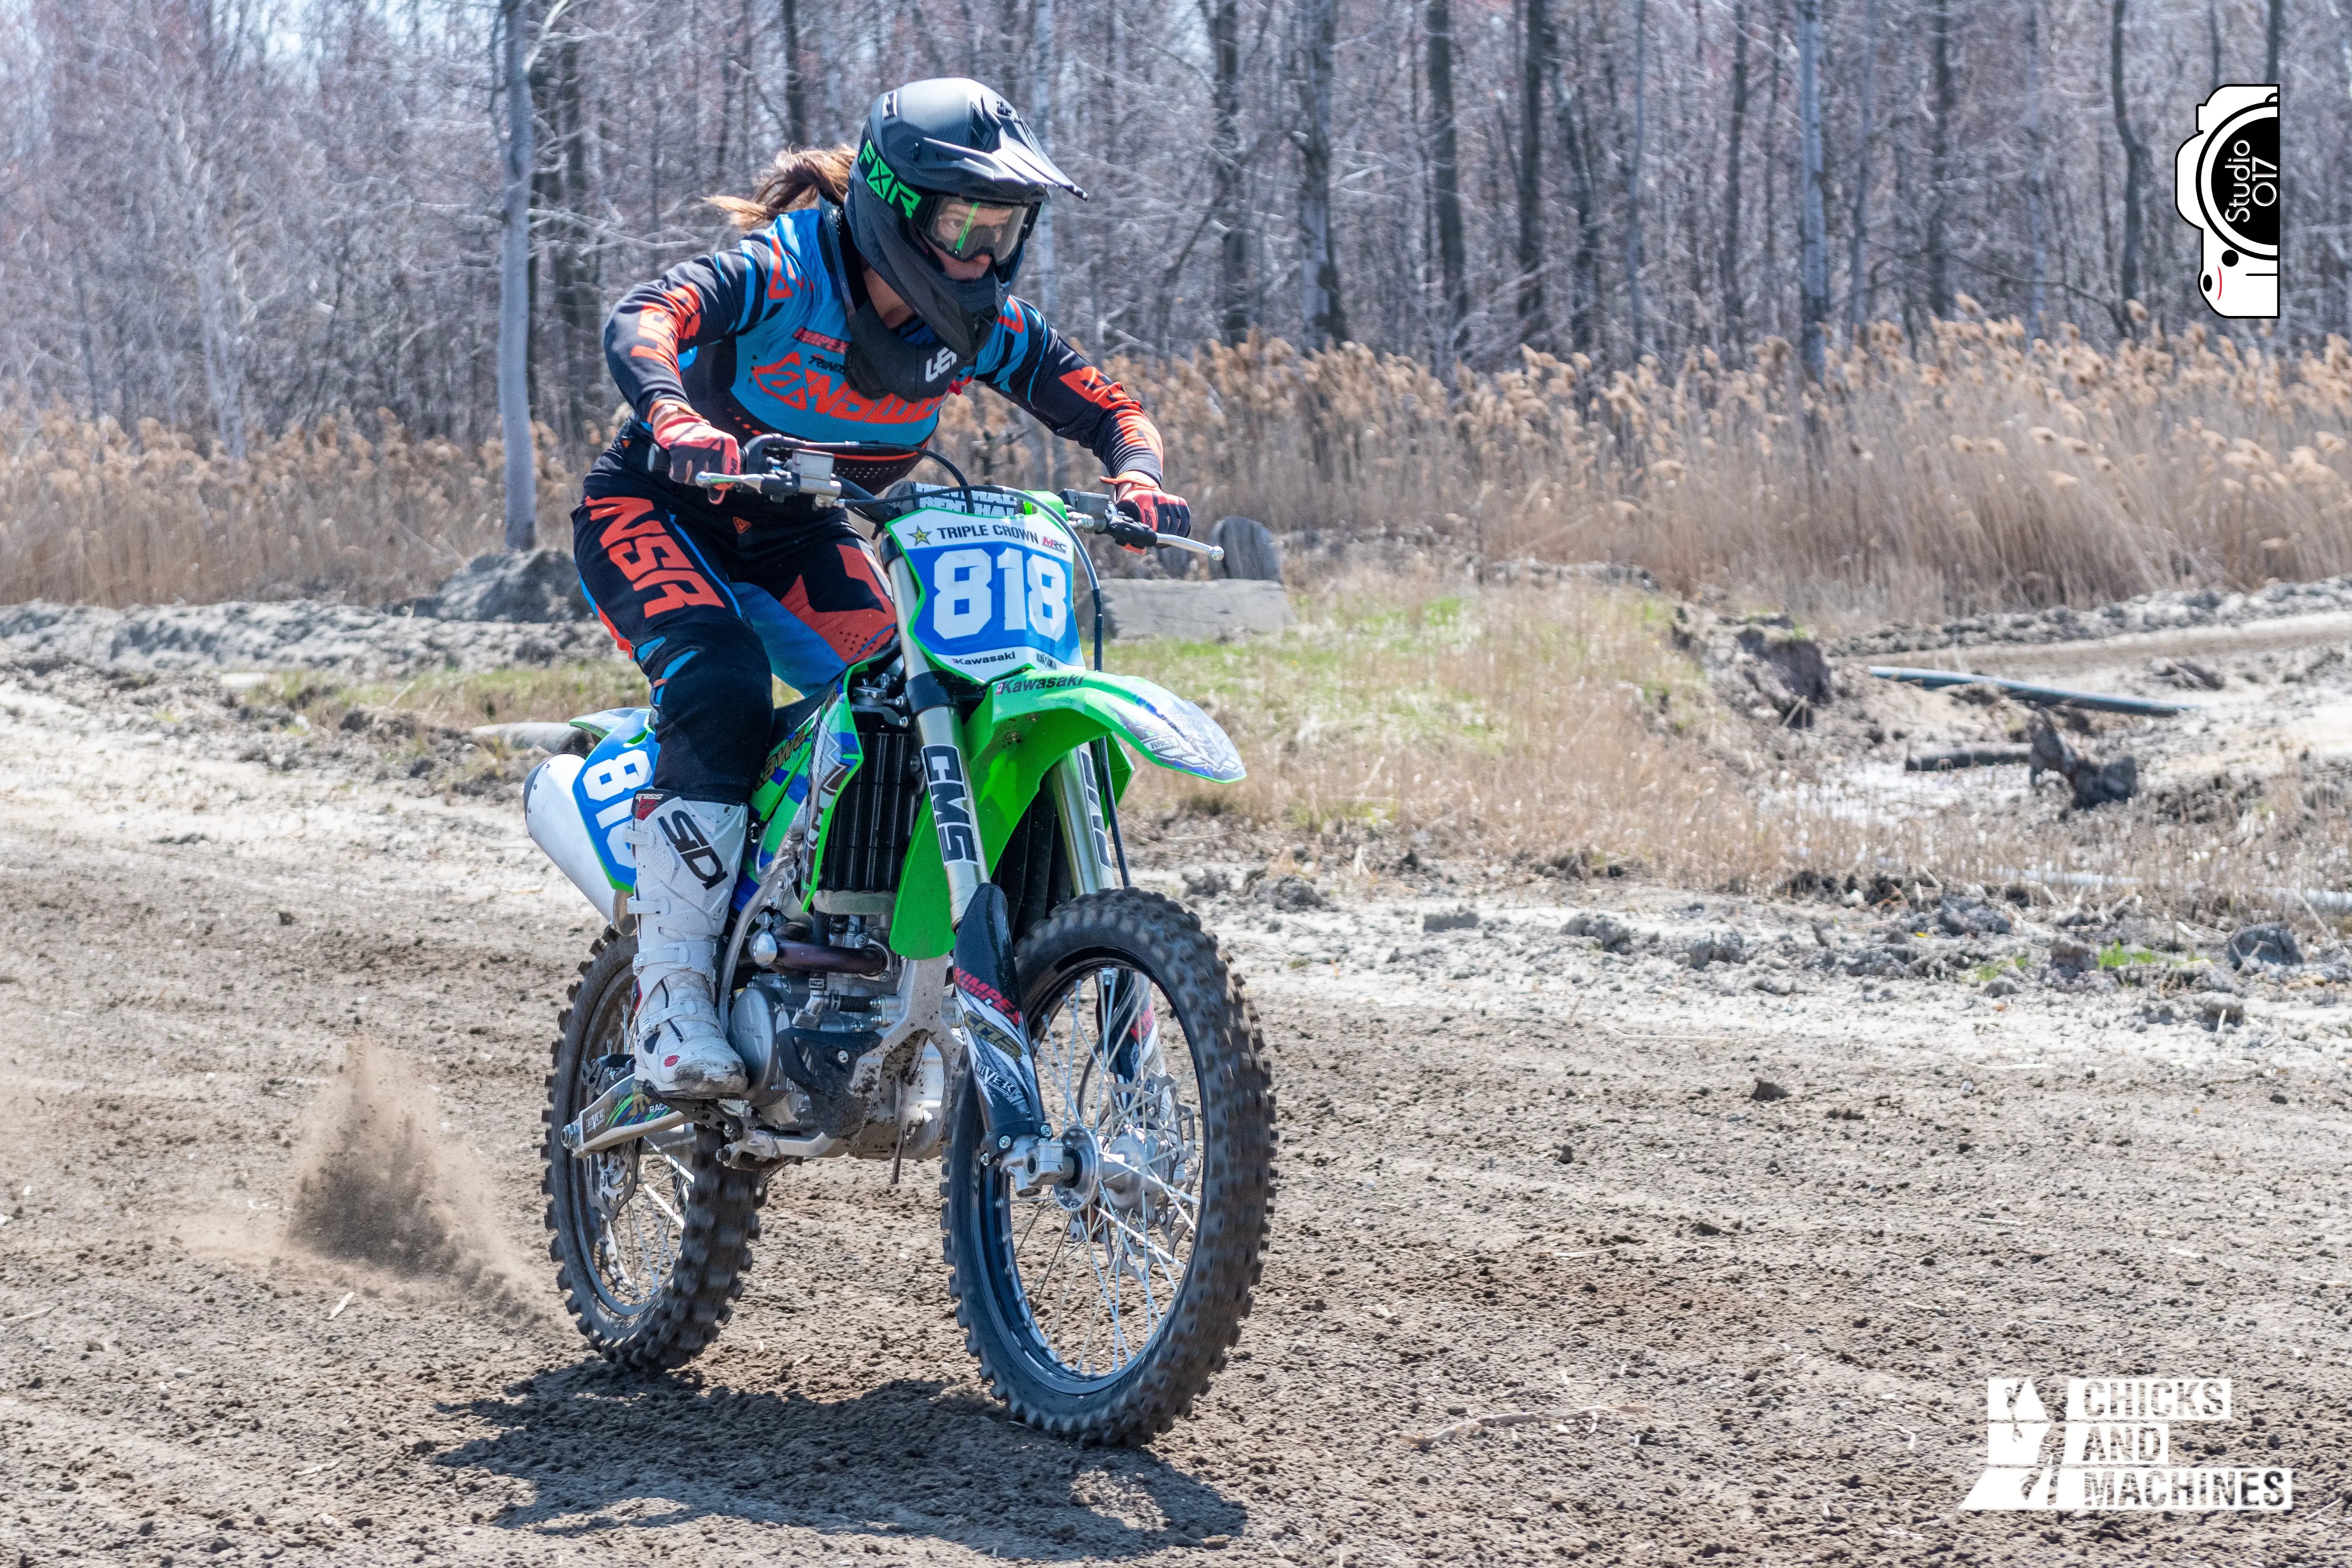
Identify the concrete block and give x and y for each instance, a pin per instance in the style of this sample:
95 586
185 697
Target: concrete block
1137 607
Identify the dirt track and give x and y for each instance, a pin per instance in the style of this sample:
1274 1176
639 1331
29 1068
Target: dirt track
1756 1329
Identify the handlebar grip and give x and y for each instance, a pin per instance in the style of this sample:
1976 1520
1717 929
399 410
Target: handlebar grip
1134 535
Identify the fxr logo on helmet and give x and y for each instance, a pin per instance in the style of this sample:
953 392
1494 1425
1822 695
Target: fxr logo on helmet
884 181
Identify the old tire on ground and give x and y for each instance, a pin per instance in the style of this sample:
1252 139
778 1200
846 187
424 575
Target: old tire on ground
647 1293
1021 1337
1252 552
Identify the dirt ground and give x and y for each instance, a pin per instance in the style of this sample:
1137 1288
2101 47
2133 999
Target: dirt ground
273 1285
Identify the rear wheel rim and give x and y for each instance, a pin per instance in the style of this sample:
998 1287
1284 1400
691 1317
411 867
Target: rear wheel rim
1094 1271
632 1244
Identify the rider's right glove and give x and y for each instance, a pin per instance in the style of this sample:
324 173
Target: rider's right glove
694 444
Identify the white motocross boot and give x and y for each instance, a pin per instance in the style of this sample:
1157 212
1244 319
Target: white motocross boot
687 852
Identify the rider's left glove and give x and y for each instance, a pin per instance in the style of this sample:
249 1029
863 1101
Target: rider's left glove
695 446
1151 506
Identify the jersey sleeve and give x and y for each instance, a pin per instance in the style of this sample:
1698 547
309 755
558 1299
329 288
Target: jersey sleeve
1036 366
702 301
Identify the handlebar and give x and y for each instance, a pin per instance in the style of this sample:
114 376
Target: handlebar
810 473
1108 517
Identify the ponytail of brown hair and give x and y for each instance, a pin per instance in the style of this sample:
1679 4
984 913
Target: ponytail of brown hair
798 177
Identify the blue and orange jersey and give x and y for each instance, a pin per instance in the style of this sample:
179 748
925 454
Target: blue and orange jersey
753 337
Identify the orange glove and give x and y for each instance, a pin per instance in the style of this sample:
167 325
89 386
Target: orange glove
694 444
1140 496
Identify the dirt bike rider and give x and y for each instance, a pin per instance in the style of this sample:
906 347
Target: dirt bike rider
864 291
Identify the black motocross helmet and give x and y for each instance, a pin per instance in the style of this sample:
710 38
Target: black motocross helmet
950 160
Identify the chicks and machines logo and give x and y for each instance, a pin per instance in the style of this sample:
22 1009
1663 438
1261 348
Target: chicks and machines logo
2118 1449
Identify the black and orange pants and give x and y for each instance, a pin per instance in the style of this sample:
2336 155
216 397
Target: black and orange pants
711 600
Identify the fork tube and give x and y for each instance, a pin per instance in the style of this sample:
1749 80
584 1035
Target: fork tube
946 778
1079 806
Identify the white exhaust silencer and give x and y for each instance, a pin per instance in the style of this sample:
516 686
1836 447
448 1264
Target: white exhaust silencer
550 810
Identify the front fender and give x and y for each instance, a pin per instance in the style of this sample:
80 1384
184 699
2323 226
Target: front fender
1020 729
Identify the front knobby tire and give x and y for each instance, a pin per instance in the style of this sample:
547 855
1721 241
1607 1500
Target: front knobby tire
1019 1295
652 1282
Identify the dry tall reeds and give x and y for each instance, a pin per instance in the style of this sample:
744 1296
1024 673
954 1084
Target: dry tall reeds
1977 471
89 513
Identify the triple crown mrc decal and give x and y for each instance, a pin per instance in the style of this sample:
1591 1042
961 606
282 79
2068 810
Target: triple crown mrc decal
2116 1452
2226 181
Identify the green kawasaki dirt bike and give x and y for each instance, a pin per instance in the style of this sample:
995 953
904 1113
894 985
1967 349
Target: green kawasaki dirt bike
935 948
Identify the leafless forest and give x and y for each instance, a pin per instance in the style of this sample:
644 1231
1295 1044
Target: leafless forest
241 219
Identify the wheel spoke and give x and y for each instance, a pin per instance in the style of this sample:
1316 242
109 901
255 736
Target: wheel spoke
1136 1232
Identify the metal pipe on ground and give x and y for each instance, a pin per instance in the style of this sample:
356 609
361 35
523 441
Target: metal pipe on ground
2026 691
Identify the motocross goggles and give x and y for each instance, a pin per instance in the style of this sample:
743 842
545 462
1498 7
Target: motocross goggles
964 228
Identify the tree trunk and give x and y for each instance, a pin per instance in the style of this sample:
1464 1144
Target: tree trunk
1857 276
2036 238
796 86
2135 169
1941 291
1732 301
1634 177
1319 265
1535 49
1771 272
1814 272
1445 180
514 289
1223 19
1585 189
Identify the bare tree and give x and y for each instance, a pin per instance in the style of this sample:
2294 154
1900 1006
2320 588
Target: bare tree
1731 286
514 285
1857 274
1535 55
1223 19
2134 170
1814 272
1444 174
1941 290
2034 220
1319 265
1633 177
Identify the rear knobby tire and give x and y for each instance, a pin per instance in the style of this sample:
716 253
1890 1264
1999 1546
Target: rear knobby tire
681 1313
1145 931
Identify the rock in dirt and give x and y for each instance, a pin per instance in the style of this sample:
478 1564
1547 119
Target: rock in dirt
1766 1091
2187 672
1961 915
2095 783
2262 944
1764 663
535 585
1289 893
2220 1007
1464 919
2069 958
1717 947
1613 935
1208 883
